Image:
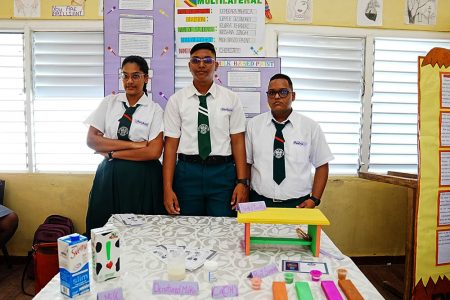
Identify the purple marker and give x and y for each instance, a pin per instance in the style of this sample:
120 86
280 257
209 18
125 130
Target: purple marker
111 10
164 96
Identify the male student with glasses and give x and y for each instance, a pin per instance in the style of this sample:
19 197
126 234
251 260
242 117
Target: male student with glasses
204 166
281 146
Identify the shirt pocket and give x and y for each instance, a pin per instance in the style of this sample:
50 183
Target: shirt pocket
221 121
299 149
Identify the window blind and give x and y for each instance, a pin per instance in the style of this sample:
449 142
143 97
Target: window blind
67 87
13 133
327 74
393 143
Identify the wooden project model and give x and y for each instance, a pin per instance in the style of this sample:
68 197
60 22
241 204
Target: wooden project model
314 218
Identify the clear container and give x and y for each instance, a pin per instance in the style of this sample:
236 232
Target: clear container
211 268
176 265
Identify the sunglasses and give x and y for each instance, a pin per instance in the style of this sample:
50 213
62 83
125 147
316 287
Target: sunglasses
282 93
133 76
206 60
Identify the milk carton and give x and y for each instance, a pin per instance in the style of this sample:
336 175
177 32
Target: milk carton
105 244
73 264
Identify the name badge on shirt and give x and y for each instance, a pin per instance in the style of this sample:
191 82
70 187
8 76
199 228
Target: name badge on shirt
141 123
299 143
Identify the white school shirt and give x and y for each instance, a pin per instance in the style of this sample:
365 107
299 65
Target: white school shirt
225 116
147 119
305 145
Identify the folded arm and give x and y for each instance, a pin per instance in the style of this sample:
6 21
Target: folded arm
151 151
99 143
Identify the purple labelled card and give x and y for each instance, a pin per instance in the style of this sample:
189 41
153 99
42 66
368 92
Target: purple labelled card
222 291
175 288
265 271
114 294
246 207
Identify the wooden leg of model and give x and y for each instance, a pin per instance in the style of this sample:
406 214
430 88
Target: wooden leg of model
247 239
314 233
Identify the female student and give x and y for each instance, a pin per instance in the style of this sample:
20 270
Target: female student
127 130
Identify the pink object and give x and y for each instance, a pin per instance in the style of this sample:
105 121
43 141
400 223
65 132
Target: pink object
330 289
256 283
315 275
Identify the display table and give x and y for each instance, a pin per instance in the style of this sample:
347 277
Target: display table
224 235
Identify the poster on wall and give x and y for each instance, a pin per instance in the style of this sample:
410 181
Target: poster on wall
369 13
27 8
421 12
299 11
248 77
432 237
236 30
143 28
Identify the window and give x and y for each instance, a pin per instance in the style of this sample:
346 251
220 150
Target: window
67 87
47 92
13 133
393 143
327 74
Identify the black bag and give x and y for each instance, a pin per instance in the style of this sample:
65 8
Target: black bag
54 227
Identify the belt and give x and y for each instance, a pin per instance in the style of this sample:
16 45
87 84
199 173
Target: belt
210 160
300 199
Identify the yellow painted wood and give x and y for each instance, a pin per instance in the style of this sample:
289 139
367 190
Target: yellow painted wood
285 216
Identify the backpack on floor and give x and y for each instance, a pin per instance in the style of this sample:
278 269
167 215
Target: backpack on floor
43 256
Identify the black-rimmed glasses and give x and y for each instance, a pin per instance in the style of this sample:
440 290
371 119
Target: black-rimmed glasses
282 93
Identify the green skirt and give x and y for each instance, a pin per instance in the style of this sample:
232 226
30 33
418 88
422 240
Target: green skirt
124 186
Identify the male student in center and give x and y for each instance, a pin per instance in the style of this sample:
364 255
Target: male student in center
281 146
204 128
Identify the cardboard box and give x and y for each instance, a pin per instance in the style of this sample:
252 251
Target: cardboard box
105 243
73 265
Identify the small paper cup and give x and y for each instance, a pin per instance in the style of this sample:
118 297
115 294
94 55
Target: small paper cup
288 278
256 283
315 275
342 273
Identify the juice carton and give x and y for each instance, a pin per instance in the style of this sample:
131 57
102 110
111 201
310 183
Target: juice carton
73 264
105 244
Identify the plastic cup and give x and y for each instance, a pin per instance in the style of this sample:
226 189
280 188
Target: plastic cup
342 273
176 265
288 278
315 275
256 283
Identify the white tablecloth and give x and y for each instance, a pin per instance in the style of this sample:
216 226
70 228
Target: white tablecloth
139 267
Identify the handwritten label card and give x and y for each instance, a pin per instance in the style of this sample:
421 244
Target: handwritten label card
246 207
114 294
67 11
162 287
222 291
264 271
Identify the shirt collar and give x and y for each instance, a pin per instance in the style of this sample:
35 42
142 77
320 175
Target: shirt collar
142 101
212 90
291 118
